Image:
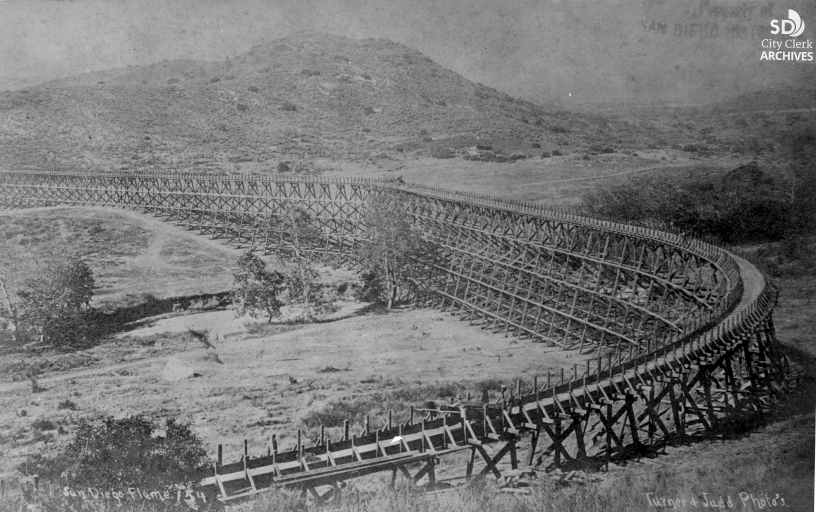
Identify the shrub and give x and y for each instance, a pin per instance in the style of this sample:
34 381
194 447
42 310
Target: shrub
256 288
67 404
43 424
442 153
123 453
745 205
288 107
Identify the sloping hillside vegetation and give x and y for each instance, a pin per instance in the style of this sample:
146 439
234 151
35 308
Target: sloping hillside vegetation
303 101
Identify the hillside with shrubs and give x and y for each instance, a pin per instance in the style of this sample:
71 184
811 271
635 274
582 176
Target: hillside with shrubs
295 103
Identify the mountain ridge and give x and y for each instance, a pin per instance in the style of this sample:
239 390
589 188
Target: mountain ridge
300 100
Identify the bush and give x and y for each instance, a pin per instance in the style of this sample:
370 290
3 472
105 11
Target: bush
67 404
442 153
117 454
55 303
743 206
43 425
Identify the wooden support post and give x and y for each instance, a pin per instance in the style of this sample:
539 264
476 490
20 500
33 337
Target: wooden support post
389 420
422 437
533 446
322 435
577 420
679 427
469 469
651 412
299 446
220 455
345 430
535 388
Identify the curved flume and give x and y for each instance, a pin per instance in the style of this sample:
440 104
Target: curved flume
676 333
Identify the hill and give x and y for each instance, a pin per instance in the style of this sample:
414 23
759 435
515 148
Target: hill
308 98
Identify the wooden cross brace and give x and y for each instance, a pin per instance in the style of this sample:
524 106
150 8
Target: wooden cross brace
429 469
492 462
558 437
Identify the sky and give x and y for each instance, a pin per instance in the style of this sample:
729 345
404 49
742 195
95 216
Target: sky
541 50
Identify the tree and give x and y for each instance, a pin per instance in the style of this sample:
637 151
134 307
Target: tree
256 288
744 205
297 238
13 269
396 259
128 452
55 301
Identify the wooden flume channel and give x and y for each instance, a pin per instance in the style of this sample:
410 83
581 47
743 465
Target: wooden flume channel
678 334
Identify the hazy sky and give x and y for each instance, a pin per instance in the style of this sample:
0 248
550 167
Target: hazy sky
686 51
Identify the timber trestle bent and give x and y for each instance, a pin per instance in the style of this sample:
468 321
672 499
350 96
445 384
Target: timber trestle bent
678 334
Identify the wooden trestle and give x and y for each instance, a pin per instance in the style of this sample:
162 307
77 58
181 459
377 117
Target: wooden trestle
680 341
